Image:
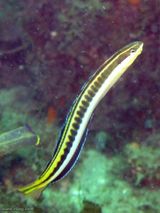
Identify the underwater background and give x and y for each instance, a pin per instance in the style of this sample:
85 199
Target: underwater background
48 50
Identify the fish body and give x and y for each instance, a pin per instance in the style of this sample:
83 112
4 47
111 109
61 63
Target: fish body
70 141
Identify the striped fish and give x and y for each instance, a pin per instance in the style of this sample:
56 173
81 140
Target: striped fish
70 141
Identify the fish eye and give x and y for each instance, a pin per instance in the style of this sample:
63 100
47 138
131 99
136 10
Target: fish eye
132 51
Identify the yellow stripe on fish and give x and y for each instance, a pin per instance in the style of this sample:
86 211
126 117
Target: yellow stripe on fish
70 141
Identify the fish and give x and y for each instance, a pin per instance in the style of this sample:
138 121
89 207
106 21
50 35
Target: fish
71 138
17 138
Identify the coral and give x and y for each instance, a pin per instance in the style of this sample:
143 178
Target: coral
89 207
97 179
144 170
48 50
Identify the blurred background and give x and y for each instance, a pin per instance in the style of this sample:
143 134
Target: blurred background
48 50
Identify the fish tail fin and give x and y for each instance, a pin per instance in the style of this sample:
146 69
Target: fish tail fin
32 190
